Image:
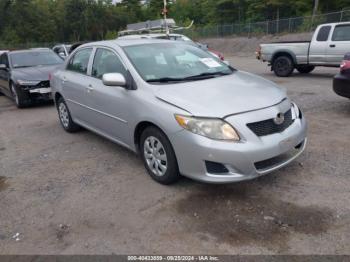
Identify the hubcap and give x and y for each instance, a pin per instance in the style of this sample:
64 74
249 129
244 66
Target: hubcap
282 65
14 93
155 156
64 117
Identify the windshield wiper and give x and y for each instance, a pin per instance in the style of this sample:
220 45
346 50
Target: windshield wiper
23 66
206 75
188 78
165 80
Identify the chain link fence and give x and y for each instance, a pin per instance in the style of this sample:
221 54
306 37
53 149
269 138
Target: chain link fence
287 25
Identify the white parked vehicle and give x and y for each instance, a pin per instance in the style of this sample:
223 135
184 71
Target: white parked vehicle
328 46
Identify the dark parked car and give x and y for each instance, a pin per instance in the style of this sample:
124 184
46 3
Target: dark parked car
341 82
62 50
24 75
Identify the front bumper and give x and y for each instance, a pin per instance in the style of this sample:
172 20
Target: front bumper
341 85
35 92
252 157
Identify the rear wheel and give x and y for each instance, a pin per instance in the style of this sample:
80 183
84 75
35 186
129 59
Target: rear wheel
158 156
21 97
305 69
65 117
283 66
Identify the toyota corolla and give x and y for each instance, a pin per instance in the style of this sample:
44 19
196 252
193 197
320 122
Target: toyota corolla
183 110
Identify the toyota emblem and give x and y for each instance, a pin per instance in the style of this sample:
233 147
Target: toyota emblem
279 119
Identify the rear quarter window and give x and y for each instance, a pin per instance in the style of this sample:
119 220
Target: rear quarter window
323 33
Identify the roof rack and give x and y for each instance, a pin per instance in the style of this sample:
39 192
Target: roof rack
155 26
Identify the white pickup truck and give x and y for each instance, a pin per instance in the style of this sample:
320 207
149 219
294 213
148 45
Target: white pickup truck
328 46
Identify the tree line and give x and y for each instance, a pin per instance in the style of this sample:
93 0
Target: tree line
44 21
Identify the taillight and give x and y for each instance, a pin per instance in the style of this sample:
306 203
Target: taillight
258 52
345 65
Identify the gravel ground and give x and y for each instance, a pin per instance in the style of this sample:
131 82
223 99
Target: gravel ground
81 194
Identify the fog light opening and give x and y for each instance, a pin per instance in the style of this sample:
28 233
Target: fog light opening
215 168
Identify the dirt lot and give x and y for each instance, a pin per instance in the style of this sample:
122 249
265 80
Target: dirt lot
81 194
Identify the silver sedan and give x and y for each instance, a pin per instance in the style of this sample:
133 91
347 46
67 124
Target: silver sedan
184 111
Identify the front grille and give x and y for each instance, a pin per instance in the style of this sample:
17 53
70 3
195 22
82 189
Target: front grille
275 161
269 127
43 84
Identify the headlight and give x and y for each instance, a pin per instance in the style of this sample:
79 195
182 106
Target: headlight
27 82
209 127
296 112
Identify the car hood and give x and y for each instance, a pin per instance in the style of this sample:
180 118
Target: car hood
34 73
222 96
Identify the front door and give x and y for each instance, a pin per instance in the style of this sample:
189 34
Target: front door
339 44
109 106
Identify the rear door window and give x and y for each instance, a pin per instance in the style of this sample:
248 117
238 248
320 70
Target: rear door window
341 33
80 61
323 33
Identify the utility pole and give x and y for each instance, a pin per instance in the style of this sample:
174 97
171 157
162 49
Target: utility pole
314 12
165 11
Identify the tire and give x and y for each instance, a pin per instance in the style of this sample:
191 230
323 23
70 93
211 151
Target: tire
305 69
283 66
20 97
158 156
65 117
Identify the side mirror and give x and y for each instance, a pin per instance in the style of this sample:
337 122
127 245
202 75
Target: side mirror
227 62
3 67
114 79
62 54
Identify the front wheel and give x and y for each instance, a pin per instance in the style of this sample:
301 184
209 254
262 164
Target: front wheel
305 69
283 66
65 117
21 97
158 156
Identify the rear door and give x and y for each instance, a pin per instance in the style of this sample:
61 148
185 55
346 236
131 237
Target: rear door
318 46
75 83
109 106
338 44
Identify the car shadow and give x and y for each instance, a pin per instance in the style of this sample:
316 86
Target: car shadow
314 75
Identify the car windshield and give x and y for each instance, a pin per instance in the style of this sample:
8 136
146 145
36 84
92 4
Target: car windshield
174 62
34 58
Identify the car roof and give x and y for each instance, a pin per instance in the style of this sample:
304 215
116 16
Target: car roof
30 50
128 42
339 23
151 35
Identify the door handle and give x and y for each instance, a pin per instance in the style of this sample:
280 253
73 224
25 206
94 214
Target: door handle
64 79
332 46
89 89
